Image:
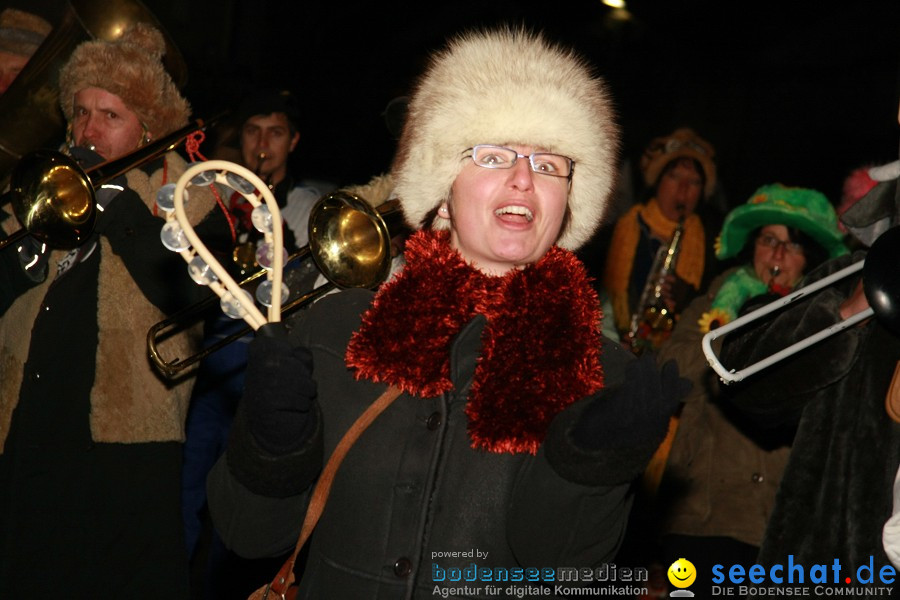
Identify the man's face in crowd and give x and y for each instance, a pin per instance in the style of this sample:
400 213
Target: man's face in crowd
10 66
100 119
269 135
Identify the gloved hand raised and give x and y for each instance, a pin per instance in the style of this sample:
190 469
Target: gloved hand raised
611 439
278 391
636 412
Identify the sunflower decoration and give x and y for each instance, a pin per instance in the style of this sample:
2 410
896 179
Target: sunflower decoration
713 319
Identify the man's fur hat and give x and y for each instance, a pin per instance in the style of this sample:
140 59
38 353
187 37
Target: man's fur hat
508 87
131 68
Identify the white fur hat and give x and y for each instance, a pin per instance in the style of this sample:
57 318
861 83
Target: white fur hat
508 87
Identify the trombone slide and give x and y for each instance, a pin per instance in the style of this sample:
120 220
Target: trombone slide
173 367
730 375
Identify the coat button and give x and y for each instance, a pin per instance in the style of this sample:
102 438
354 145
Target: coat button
402 567
35 376
433 421
757 478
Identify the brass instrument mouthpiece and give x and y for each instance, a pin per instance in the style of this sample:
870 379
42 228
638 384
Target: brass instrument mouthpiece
260 159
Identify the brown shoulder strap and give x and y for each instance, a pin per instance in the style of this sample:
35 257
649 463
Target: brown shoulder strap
285 576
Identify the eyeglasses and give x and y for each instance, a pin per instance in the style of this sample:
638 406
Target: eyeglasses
772 242
544 163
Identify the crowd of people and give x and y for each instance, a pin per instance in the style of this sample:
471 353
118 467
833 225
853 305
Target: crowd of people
531 415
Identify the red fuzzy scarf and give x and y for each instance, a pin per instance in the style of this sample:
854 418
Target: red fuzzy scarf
540 347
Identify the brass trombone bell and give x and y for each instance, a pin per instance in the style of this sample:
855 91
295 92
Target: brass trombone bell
52 198
349 241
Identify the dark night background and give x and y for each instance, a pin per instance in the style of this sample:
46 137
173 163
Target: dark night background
795 92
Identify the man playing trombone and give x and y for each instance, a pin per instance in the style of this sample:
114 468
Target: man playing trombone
91 437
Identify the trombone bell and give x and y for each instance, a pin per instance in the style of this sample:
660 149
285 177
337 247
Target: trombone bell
349 242
52 198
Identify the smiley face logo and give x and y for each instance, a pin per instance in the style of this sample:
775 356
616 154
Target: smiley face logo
682 573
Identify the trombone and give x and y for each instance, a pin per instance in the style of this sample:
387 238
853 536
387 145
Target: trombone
53 197
881 284
349 243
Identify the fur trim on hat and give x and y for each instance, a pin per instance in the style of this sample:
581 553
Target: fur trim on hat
131 68
508 87
22 32
680 143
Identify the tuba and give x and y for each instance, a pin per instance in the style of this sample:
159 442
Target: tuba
30 117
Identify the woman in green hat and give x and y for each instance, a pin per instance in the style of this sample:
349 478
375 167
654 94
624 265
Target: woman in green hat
721 476
793 229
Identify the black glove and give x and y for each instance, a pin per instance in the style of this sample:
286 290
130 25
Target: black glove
278 391
86 157
611 439
635 413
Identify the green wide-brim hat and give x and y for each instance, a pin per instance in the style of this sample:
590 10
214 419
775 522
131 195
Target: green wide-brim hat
776 204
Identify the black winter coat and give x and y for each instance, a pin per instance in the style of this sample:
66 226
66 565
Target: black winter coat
100 518
105 516
412 499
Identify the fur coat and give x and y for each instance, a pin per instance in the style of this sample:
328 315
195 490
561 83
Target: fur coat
122 364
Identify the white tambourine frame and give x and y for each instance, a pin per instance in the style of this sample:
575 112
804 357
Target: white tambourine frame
226 283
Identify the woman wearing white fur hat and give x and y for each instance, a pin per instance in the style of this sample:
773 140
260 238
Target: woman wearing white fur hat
518 429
